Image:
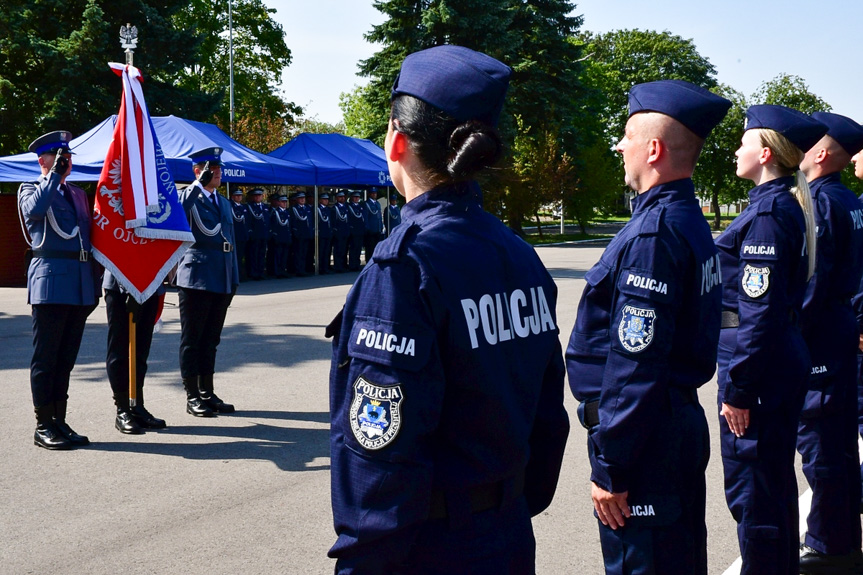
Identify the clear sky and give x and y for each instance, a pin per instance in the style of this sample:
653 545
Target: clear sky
749 42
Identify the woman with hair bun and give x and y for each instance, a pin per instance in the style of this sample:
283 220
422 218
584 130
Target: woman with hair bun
446 386
767 256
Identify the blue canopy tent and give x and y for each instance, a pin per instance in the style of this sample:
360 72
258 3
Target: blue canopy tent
338 160
178 138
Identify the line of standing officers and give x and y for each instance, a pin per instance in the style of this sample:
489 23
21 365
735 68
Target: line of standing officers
433 468
278 240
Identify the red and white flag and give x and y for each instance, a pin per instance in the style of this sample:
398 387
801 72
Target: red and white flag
139 230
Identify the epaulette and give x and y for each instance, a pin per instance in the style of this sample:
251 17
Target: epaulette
767 206
394 246
651 221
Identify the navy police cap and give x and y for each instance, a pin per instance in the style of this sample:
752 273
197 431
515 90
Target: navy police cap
51 142
212 155
356 193
846 132
237 192
257 192
324 197
340 193
300 195
696 108
394 196
283 198
803 131
465 84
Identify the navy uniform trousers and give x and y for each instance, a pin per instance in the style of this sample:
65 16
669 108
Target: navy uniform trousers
202 317
117 361
57 333
760 482
666 534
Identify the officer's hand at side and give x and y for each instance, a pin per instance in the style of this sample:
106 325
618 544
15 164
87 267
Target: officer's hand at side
611 508
737 418
860 343
206 175
61 163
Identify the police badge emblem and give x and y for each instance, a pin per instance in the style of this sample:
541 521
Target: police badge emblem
755 281
375 413
636 328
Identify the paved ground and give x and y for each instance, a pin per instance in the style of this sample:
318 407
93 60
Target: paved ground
246 493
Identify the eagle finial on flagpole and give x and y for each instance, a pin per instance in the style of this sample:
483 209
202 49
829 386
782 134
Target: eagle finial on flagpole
129 41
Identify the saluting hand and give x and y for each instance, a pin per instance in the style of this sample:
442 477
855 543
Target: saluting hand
610 507
737 418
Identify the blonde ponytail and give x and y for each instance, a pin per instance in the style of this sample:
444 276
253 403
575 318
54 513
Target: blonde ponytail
804 198
788 158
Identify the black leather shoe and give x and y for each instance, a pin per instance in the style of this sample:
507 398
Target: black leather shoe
197 407
813 562
125 423
48 436
70 434
216 404
147 420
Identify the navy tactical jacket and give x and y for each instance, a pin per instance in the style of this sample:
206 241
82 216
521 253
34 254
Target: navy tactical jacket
447 374
648 321
764 267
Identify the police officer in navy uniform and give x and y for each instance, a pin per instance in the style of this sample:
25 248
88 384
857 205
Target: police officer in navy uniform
827 435
767 255
118 305
62 285
393 214
645 339
857 304
259 232
374 223
446 387
280 236
341 232
301 229
357 225
241 229
325 233
207 278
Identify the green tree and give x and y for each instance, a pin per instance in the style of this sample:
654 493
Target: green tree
715 175
792 92
260 54
362 119
53 64
532 36
622 58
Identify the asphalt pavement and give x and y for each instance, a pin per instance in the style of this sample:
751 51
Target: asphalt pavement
249 492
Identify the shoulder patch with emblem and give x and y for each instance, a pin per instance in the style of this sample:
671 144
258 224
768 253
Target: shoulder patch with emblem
755 280
636 329
375 413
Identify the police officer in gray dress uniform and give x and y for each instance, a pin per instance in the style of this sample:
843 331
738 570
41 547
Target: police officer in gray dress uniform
207 278
62 285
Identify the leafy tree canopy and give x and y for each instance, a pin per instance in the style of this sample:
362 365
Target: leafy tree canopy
54 73
791 91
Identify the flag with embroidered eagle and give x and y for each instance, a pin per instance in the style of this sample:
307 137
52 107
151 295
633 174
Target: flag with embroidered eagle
139 230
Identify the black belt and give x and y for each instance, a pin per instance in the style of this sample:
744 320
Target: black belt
588 411
81 256
730 319
482 498
225 249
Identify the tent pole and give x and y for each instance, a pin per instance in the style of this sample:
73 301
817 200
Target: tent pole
317 239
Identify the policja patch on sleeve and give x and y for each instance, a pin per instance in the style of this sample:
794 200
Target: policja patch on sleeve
755 280
636 329
375 413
